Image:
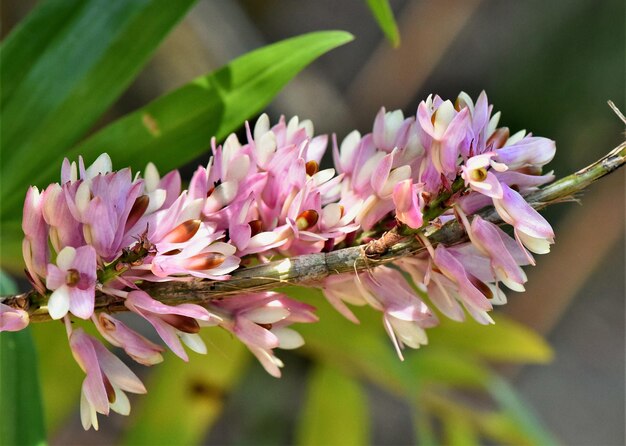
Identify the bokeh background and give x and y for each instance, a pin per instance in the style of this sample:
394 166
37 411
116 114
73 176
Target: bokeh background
550 67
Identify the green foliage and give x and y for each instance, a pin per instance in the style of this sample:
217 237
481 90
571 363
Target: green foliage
61 396
384 17
61 69
22 421
335 411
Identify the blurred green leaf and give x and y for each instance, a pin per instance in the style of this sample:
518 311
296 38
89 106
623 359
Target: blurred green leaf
513 406
22 421
459 431
61 69
384 16
437 365
63 375
506 340
185 399
335 411
11 246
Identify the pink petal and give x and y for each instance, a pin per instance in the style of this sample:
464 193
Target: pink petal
82 302
117 372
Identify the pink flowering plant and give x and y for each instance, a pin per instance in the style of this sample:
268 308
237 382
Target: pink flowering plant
423 219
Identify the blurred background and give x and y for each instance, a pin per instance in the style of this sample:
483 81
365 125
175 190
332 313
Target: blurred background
549 67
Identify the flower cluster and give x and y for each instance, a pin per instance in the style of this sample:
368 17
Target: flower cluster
104 232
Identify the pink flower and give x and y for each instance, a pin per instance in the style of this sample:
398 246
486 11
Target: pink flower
136 346
404 314
488 238
409 203
173 323
73 280
476 175
107 379
531 229
12 319
530 151
35 245
103 204
383 179
390 130
261 320
64 229
444 132
467 285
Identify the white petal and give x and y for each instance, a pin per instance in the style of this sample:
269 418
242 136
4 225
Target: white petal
400 174
59 302
536 245
238 168
88 415
288 339
192 210
323 176
157 198
444 115
331 215
102 165
262 126
151 177
66 258
347 148
307 125
409 332
193 341
83 197
292 126
499 298
493 123
267 315
121 404
502 277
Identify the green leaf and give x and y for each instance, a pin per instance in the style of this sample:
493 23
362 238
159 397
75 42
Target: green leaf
22 421
506 340
61 69
185 399
11 236
458 430
514 408
63 376
384 16
335 411
436 364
